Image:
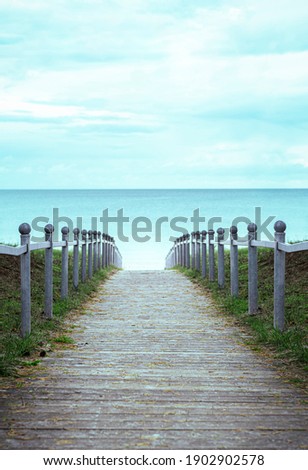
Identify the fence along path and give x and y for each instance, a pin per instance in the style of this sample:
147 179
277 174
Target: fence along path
98 251
194 255
155 366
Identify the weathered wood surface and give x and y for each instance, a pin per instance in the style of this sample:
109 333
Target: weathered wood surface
155 366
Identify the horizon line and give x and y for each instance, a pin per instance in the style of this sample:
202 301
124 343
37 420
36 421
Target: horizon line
153 189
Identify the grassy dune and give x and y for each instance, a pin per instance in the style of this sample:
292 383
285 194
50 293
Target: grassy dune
13 349
291 346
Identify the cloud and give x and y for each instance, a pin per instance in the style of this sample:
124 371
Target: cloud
299 155
192 91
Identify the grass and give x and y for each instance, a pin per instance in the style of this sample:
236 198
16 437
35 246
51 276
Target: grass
291 345
44 333
64 339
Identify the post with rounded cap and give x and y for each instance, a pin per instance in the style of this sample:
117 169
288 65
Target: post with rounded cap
252 271
203 252
233 261
112 251
279 276
177 249
211 234
90 254
221 257
76 232
184 250
25 274
64 276
84 255
103 250
172 257
193 250
95 250
48 310
99 244
115 257
187 251
181 251
198 259
175 253
106 250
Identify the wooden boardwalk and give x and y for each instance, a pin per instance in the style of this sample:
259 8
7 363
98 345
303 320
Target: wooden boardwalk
155 366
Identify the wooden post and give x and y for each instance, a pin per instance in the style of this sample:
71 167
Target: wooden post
95 250
173 263
187 251
211 234
175 253
76 232
103 250
221 257
182 251
252 271
234 262
25 274
84 256
198 260
64 275
90 254
99 252
112 246
48 310
279 276
193 251
108 250
203 252
115 262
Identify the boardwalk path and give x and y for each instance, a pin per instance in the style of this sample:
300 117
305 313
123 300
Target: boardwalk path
155 367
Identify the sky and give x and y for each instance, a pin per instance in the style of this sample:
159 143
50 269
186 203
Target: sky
153 94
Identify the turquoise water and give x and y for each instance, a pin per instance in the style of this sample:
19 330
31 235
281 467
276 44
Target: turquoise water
85 207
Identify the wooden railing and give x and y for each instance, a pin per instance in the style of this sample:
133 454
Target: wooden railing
98 251
190 251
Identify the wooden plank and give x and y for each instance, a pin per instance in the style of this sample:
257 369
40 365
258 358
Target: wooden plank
58 244
39 246
154 365
12 250
263 243
292 248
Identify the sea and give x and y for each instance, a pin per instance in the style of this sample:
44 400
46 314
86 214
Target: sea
145 222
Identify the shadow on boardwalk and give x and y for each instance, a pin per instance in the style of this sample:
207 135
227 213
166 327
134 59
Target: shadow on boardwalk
155 367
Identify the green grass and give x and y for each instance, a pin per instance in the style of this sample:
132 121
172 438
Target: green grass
290 345
64 339
13 348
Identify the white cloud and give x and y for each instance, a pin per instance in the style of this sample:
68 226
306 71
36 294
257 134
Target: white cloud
299 155
198 85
